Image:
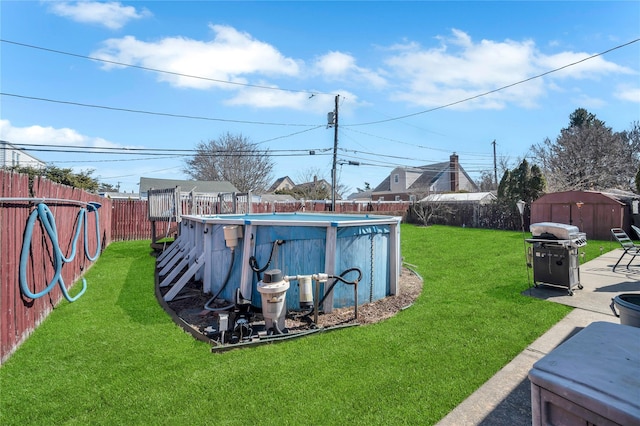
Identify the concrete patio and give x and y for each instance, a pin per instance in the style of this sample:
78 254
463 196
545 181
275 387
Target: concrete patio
505 399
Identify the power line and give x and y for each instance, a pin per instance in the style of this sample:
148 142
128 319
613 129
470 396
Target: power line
498 89
137 174
416 145
171 153
164 114
107 61
170 157
289 135
144 151
266 87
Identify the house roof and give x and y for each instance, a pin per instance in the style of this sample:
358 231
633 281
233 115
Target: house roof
363 195
321 183
278 182
385 185
428 175
203 186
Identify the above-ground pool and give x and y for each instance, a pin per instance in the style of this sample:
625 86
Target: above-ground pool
295 243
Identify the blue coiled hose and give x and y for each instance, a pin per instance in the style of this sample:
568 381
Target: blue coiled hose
44 214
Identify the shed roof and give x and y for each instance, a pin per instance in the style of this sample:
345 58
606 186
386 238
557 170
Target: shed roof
270 198
591 197
203 186
460 197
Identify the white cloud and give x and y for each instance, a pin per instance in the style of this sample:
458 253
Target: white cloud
460 68
50 136
266 98
589 69
112 15
627 93
341 66
230 56
319 104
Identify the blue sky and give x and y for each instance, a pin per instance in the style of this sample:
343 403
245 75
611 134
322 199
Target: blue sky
408 76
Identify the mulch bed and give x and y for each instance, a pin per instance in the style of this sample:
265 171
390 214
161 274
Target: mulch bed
188 306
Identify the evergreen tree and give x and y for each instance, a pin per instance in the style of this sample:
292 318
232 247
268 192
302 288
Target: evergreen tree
82 180
524 183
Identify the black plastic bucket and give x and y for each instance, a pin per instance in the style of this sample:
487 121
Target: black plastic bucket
629 306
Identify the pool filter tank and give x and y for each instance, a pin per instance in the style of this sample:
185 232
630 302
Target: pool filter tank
306 291
273 289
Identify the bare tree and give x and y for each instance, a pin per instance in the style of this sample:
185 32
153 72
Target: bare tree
429 208
233 158
314 186
589 155
486 181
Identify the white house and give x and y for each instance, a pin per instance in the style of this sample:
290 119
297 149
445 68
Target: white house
12 156
407 183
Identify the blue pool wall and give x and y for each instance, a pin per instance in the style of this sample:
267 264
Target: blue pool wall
362 246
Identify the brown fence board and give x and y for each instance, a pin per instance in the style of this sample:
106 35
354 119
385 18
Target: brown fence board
19 314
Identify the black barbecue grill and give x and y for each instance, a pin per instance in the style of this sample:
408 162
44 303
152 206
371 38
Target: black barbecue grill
554 254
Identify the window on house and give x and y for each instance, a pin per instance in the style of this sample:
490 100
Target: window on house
397 198
381 198
412 198
396 178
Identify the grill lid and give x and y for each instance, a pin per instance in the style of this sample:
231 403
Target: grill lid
560 231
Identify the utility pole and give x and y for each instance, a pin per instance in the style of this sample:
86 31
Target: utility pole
335 155
495 164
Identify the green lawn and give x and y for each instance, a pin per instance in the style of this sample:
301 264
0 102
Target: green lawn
115 357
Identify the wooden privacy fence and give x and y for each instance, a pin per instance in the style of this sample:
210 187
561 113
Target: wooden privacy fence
131 218
19 196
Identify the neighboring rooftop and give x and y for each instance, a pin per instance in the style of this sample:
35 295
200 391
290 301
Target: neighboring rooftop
202 186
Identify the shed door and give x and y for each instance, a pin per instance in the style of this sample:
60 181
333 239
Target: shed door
561 213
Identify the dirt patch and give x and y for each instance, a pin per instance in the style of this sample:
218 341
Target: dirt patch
189 306
369 313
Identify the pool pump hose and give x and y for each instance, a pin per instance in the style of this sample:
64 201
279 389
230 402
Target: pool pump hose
336 278
253 262
44 214
224 285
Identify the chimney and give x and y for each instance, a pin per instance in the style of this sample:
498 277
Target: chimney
454 172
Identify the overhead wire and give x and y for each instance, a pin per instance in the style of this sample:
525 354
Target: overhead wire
67 149
313 127
276 88
162 114
348 129
498 89
123 64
